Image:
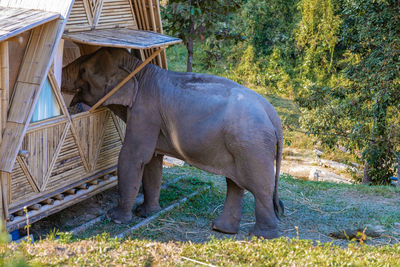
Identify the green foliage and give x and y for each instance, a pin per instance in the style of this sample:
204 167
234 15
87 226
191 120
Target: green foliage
247 72
276 75
350 96
196 19
338 59
268 24
9 257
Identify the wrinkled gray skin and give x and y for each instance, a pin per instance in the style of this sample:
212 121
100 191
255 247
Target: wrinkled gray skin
210 122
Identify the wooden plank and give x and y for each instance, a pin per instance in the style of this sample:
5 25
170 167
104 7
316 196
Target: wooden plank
41 48
59 6
14 21
4 85
10 144
22 101
17 48
2 206
4 181
122 37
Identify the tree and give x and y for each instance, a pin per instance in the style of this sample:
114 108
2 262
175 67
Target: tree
356 102
196 19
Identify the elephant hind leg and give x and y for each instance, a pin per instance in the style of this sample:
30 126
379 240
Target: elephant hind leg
229 220
262 187
152 175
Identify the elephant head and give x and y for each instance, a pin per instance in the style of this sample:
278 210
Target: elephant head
92 76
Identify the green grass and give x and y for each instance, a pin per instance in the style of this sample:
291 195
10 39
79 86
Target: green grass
283 252
168 196
183 235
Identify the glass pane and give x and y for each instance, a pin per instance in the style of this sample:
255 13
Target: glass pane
47 106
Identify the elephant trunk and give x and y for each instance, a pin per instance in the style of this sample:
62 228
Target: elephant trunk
70 75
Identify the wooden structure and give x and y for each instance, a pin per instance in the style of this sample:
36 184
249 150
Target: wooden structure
49 157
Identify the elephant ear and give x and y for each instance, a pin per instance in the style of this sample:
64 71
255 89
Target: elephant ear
126 95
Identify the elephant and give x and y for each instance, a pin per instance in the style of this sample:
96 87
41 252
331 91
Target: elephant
209 122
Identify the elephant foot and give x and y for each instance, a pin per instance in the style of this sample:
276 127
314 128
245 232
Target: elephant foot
118 216
225 226
269 233
144 211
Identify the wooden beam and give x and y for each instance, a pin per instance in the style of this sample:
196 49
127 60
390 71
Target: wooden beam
124 81
4 85
2 206
4 182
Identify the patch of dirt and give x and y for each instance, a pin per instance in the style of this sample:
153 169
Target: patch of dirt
308 165
77 214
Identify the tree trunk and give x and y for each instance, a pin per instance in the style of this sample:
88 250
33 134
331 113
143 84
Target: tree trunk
189 46
366 178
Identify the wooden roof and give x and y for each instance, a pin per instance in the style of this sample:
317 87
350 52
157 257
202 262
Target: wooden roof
122 37
14 21
62 7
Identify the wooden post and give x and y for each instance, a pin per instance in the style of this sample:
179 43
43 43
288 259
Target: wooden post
124 81
58 62
4 177
4 85
4 92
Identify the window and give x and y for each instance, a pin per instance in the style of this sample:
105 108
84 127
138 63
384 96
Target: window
47 105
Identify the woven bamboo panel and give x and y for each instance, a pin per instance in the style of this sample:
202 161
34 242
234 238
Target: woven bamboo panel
21 189
80 17
90 131
116 13
148 18
112 143
69 165
121 126
42 145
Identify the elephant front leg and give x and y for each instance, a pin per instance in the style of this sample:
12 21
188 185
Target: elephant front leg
129 179
139 145
229 221
151 187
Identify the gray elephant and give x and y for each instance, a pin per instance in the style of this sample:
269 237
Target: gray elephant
210 122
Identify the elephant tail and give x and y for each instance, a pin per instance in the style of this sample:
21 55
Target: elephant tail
278 205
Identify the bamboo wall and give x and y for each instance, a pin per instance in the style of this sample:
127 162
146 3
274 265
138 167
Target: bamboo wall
64 153
51 164
147 13
105 14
